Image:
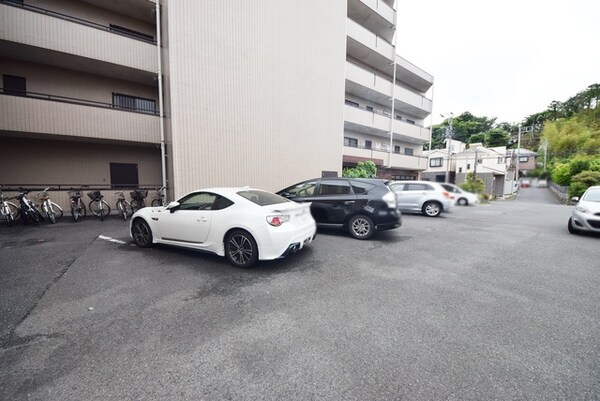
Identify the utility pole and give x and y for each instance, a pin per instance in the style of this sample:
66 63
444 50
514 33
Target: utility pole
448 136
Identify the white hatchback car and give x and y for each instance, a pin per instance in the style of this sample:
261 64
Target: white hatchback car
426 197
460 196
586 214
243 224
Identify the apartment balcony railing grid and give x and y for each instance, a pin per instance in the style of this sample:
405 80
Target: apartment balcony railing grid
382 113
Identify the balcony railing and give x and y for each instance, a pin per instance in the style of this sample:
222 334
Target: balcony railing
72 100
399 160
116 30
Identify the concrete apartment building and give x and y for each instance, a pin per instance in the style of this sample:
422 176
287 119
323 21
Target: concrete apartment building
113 94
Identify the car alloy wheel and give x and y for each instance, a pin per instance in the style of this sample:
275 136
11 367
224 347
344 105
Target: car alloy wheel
241 249
141 233
361 227
463 202
432 209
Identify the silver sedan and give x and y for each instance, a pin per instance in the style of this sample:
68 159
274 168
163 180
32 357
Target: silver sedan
586 214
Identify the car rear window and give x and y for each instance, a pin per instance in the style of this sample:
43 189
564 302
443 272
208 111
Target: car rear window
262 198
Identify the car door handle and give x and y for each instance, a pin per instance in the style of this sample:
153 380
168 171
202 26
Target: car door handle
349 203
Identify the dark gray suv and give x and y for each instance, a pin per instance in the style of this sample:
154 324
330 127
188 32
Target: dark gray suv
362 206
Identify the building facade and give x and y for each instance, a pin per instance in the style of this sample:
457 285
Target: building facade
106 94
385 95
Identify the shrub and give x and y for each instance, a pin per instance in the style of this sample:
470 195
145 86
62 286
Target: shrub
582 181
366 169
471 185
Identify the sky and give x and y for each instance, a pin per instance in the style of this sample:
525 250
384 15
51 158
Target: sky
503 58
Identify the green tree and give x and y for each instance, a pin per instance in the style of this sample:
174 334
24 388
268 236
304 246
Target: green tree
473 185
366 169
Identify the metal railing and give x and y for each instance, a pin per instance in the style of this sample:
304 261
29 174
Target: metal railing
77 20
73 100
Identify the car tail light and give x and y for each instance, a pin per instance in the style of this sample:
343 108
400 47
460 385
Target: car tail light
390 199
447 195
277 219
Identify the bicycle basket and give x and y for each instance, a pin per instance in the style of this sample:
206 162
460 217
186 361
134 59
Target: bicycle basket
138 194
74 194
94 195
43 195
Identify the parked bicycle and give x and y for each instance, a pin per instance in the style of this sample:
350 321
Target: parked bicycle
137 199
49 209
9 212
159 198
123 205
98 206
27 209
77 206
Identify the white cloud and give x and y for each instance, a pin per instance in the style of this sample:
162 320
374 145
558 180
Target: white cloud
505 59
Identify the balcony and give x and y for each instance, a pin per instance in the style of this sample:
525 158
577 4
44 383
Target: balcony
377 122
382 157
376 52
75 118
50 38
371 86
375 15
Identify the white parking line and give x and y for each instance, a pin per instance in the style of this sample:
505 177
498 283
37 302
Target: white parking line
109 239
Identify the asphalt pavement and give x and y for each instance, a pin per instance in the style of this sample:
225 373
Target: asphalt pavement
496 301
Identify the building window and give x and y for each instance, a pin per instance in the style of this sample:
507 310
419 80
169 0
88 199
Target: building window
352 142
398 117
408 151
368 144
468 166
410 121
369 108
523 159
397 149
131 32
351 103
14 85
132 103
436 162
460 169
124 175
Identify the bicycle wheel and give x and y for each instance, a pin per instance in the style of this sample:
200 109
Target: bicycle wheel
136 205
75 212
6 214
48 212
121 210
95 207
82 209
157 202
58 212
104 209
14 210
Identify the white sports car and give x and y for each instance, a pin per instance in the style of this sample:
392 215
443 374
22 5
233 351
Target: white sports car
243 224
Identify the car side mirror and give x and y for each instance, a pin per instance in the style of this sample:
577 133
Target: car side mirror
173 206
575 199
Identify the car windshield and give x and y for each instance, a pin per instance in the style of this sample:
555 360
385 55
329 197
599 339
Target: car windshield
262 198
592 196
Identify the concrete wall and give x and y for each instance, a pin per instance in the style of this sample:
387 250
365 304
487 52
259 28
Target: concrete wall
256 91
41 163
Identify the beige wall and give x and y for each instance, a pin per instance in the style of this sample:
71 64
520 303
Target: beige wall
256 91
42 163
